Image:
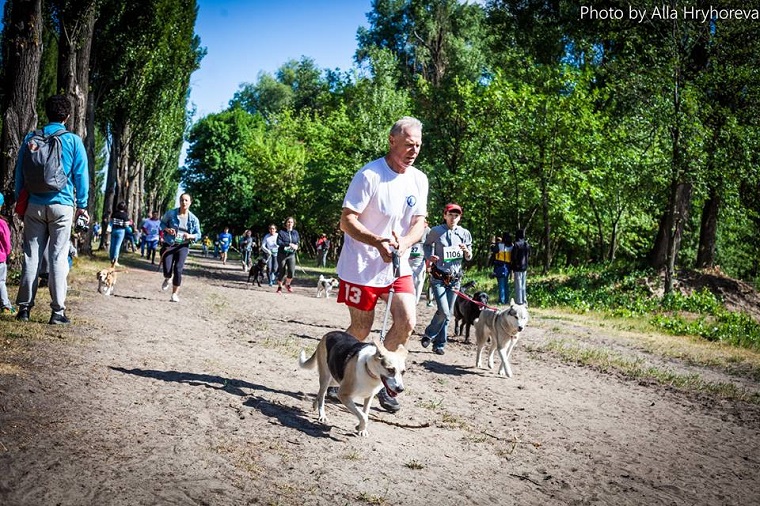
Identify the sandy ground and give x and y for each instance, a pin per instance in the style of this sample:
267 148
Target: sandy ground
142 401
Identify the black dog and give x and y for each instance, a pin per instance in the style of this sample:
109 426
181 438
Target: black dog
259 271
468 311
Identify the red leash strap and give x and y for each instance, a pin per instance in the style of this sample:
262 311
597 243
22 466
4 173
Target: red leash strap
464 296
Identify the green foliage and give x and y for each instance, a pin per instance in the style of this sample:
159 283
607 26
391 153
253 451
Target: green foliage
624 293
575 131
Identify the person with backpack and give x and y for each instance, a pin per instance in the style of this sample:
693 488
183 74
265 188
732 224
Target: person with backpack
519 265
52 168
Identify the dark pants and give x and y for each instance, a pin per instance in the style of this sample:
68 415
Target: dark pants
287 263
173 261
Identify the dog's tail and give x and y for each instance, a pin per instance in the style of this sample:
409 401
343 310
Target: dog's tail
307 363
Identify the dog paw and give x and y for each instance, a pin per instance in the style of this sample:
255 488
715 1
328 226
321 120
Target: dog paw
323 419
361 432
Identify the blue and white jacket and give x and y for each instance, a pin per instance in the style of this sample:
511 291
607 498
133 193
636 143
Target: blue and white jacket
171 220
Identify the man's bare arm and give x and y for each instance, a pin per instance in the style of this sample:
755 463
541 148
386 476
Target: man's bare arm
350 224
416 230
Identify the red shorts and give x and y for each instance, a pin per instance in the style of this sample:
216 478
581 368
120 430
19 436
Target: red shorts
365 297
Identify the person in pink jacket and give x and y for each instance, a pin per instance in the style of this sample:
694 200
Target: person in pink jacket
5 250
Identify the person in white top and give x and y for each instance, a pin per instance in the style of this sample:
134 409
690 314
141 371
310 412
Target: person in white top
383 213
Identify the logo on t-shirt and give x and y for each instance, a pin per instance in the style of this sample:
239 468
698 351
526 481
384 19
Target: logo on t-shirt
411 201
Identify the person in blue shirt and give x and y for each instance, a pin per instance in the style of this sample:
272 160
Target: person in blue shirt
181 228
49 216
225 241
150 229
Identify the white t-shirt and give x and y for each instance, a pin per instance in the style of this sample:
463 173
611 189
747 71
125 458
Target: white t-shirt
386 201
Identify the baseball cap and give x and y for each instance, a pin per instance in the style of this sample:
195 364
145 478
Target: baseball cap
452 207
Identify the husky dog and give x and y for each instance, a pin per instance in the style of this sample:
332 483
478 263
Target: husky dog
359 369
324 285
107 280
503 327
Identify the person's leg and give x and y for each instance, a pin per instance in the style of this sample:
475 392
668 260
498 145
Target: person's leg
280 271
154 247
117 239
5 302
60 219
291 270
272 268
404 313
502 281
361 323
179 264
167 259
439 295
418 268
35 241
520 287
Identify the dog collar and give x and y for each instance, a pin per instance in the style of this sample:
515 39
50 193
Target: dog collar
370 373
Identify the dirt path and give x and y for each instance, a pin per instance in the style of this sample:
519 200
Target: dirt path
145 402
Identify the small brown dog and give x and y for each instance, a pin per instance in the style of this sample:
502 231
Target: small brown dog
106 280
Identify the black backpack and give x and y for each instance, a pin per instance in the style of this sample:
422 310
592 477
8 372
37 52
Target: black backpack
42 165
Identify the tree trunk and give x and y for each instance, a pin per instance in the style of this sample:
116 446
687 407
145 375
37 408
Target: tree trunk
111 196
680 212
76 29
22 51
709 228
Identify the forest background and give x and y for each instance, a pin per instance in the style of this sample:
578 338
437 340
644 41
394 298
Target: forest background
610 141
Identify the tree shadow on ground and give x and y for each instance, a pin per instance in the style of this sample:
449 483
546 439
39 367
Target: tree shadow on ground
287 415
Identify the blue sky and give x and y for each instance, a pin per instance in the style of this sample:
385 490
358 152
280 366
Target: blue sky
246 37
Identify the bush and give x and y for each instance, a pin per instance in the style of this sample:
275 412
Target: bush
625 294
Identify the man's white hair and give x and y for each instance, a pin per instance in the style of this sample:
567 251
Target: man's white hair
405 122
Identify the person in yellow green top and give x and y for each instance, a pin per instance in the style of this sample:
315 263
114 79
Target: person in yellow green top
502 257
206 244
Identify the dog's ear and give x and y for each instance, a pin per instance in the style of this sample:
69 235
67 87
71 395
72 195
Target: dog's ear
402 351
379 345
511 302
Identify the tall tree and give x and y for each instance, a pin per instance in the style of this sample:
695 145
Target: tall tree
22 52
76 25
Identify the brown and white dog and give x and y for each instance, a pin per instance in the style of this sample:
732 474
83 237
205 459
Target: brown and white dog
503 327
325 285
359 369
106 280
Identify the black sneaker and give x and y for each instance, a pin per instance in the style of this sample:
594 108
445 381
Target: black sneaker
388 403
425 341
438 351
23 314
58 319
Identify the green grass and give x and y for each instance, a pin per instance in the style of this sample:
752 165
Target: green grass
637 369
625 293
